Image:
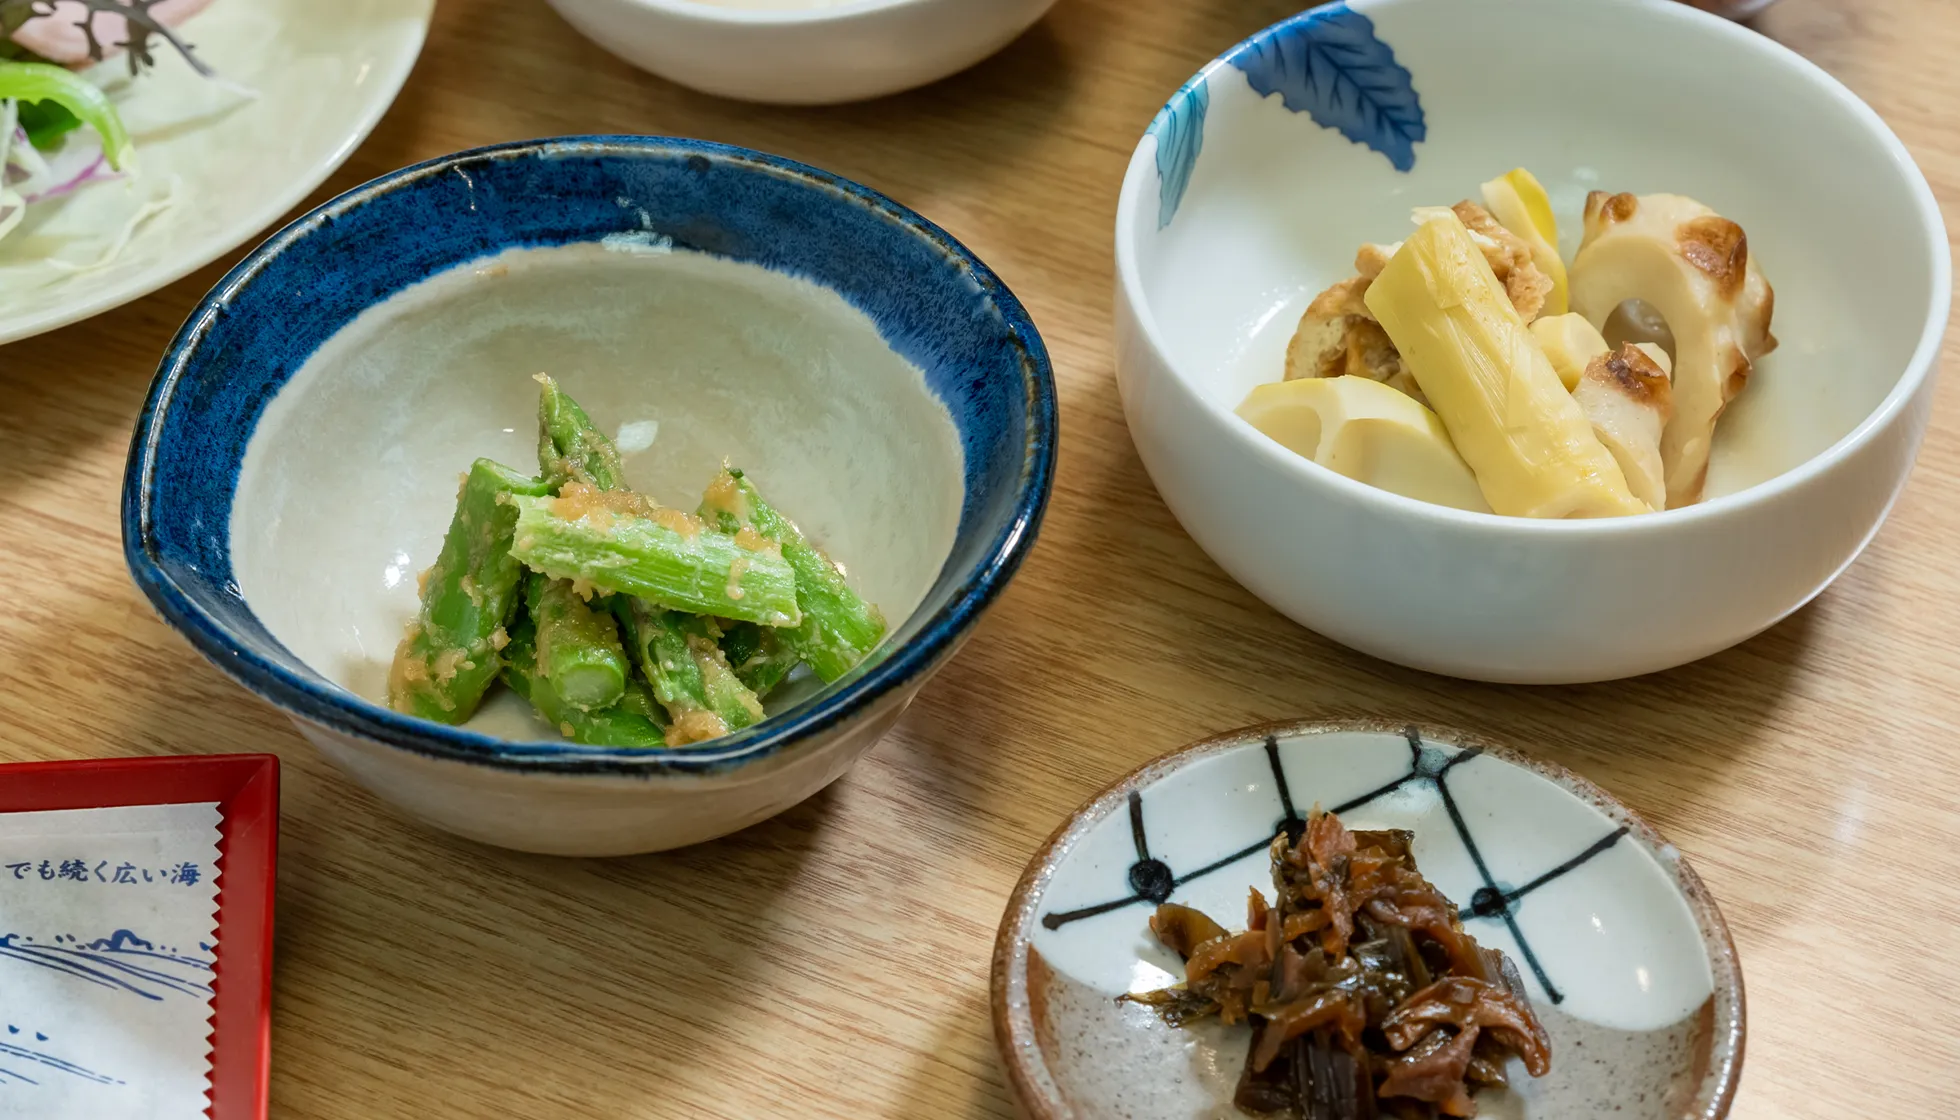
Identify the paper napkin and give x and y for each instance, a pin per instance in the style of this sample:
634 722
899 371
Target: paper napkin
108 921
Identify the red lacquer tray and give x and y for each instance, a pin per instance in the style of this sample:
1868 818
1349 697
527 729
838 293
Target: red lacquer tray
246 788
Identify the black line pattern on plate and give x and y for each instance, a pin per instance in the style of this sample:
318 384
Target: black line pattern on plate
1149 878
1152 880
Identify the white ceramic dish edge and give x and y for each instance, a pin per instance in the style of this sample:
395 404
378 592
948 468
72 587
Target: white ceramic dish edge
808 56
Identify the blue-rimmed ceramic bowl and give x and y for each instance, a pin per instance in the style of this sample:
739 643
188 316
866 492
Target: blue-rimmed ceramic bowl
294 465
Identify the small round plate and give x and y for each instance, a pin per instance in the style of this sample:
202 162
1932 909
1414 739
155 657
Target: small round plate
1626 957
227 163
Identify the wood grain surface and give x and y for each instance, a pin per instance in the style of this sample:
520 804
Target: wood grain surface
833 962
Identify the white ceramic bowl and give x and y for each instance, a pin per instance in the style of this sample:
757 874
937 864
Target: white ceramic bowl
802 52
1237 208
296 464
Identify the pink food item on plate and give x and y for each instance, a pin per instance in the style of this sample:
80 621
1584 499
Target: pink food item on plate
59 37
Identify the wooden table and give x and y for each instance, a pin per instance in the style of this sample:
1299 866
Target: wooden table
833 962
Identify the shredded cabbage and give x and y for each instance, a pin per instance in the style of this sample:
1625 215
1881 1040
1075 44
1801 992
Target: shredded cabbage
12 206
78 162
89 154
86 142
147 211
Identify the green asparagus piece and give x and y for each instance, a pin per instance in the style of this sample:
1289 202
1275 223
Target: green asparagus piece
671 560
449 657
838 628
639 701
690 677
579 654
759 656
570 447
634 722
739 640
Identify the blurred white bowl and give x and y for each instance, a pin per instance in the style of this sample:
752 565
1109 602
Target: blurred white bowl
802 52
1238 207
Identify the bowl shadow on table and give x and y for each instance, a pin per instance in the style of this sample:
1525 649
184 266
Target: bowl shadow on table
48 421
1210 656
584 987
878 142
1012 99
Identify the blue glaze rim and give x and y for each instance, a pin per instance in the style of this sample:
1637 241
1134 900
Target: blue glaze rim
333 707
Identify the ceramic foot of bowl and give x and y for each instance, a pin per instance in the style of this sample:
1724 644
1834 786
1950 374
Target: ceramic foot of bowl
297 463
802 52
605 812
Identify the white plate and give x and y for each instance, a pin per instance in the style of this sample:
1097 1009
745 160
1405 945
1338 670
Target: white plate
1623 952
324 73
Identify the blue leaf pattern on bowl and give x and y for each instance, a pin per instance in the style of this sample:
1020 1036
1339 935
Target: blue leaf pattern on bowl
1180 132
1328 64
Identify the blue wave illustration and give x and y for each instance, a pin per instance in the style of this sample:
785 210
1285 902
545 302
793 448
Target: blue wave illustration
21 1054
122 960
1180 132
1329 64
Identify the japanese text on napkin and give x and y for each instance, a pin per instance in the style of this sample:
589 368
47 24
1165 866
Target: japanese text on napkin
108 922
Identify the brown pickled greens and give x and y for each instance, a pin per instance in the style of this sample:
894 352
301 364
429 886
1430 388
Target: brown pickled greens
1365 996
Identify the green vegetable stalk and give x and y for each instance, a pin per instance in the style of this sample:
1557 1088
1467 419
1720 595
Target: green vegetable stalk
570 447
690 677
450 655
838 629
759 656
715 609
30 82
634 722
578 650
670 560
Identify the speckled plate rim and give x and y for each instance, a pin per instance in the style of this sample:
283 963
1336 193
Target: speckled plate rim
1014 1033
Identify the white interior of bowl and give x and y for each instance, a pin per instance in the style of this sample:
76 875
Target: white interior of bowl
1618 95
350 477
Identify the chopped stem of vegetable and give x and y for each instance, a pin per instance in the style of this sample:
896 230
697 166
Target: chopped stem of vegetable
690 677
570 447
450 655
579 655
759 656
838 628
633 722
40 81
681 566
